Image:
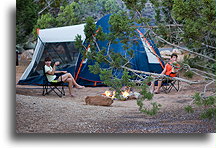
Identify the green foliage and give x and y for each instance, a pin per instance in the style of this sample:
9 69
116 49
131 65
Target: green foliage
209 103
69 15
26 17
120 24
198 99
211 100
210 113
116 83
144 90
198 19
135 5
199 63
153 111
189 74
79 42
54 6
74 13
45 21
95 69
146 95
213 66
189 109
90 29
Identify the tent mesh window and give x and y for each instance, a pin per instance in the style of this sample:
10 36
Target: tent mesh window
64 52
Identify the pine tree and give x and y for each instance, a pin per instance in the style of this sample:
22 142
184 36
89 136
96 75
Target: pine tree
26 17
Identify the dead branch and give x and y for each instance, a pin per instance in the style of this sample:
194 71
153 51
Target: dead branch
208 46
163 76
48 6
204 91
163 40
170 25
206 73
94 40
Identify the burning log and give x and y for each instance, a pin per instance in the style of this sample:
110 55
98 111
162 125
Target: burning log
126 94
134 96
98 100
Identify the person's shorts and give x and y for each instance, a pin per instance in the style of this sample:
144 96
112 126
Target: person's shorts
167 81
164 81
55 80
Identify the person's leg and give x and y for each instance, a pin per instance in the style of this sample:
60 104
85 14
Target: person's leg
74 82
159 86
70 84
64 77
67 76
152 86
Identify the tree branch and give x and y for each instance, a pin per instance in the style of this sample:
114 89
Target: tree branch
160 38
162 76
170 25
204 91
48 5
208 46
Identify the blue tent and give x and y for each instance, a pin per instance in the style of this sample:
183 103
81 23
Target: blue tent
58 43
143 58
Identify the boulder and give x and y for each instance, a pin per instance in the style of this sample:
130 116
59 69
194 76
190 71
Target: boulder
177 51
98 100
29 45
27 55
166 52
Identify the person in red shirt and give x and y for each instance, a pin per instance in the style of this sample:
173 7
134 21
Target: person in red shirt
171 69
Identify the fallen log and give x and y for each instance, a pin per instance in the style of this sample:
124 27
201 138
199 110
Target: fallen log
98 100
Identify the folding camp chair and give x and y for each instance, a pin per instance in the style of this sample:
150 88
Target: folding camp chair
48 87
168 84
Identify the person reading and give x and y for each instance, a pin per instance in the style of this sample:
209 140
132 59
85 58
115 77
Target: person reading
66 77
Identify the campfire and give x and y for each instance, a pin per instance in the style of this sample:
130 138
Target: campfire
125 94
110 94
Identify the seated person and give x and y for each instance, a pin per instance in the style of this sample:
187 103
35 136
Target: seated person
171 70
66 77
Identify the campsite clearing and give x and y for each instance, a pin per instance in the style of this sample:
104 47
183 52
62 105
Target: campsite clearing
50 114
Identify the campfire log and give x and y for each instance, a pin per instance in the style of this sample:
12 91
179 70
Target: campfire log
131 97
98 100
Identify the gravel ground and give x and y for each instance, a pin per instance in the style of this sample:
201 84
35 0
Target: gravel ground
50 114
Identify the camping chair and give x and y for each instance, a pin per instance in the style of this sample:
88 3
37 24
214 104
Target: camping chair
168 85
52 86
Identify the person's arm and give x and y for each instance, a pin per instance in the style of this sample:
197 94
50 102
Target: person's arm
165 69
176 71
60 71
53 69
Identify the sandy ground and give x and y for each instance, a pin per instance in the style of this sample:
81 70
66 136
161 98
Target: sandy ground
50 114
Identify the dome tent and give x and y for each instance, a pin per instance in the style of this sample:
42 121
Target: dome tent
58 43
143 59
